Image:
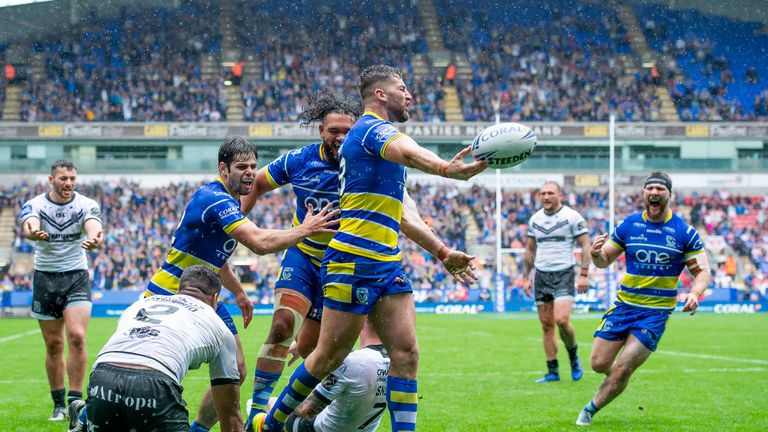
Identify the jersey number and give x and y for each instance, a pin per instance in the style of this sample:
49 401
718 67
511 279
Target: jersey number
379 407
145 315
342 172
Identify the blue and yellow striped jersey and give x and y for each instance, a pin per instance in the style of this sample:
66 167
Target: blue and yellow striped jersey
371 190
315 181
656 254
202 237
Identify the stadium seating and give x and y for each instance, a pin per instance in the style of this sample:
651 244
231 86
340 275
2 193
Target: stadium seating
718 62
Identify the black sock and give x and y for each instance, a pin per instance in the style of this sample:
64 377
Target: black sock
552 366
73 396
58 397
572 353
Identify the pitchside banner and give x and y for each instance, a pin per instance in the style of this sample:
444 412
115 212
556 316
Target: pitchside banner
113 303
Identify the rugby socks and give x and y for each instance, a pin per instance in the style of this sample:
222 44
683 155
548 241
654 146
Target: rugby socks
58 397
195 427
73 396
299 387
573 354
591 408
263 386
402 400
553 367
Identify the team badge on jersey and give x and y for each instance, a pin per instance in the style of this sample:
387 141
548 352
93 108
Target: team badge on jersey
362 295
286 273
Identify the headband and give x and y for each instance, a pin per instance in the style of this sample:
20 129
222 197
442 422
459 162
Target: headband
658 180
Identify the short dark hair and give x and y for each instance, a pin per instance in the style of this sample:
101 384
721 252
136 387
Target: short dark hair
658 177
326 102
63 163
201 278
375 74
235 147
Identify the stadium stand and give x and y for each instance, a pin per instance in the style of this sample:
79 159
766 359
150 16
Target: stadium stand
715 63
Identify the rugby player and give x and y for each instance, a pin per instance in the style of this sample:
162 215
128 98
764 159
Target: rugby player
658 245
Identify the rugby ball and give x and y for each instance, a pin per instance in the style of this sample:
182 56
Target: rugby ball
504 145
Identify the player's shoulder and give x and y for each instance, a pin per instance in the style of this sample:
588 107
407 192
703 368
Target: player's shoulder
679 226
211 192
37 200
570 212
84 201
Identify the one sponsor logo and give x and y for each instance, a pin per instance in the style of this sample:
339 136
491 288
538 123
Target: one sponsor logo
362 295
668 229
330 381
458 309
26 210
386 132
228 212
95 211
638 225
640 237
730 308
319 203
671 241
137 403
646 256
143 332
63 238
653 231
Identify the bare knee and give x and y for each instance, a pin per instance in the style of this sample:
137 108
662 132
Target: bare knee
76 341
54 346
282 327
562 321
601 364
405 361
547 324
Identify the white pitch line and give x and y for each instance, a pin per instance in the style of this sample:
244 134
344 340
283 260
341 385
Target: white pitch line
713 357
16 336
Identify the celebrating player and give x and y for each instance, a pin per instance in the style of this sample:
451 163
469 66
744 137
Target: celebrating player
552 232
63 225
657 245
208 232
361 269
313 172
136 380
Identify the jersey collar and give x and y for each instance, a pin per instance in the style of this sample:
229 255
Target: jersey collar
372 114
220 180
48 197
667 219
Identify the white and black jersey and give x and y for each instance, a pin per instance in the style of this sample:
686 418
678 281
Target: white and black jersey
555 236
64 225
356 392
173 334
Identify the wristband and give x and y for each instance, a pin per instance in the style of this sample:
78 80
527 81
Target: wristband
443 253
584 272
443 169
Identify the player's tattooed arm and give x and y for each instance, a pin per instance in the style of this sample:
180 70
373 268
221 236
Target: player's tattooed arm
311 407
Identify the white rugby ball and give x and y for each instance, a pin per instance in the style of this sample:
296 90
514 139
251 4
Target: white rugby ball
504 145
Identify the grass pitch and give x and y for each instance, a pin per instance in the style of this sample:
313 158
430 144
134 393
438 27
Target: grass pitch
477 373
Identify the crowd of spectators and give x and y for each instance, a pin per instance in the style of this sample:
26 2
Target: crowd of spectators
143 65
140 222
570 63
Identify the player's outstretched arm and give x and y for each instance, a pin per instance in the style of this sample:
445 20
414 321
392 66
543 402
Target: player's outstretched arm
226 400
260 187
311 407
266 241
457 263
582 283
604 252
232 283
94 234
32 231
405 151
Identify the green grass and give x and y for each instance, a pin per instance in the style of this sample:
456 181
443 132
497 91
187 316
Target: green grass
477 374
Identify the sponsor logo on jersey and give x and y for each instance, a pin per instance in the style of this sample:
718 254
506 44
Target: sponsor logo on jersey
668 229
653 231
137 403
640 237
650 256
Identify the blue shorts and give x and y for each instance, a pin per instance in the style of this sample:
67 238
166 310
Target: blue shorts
298 273
352 283
223 313
647 325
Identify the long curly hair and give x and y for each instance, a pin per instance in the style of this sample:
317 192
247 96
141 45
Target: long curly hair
328 101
